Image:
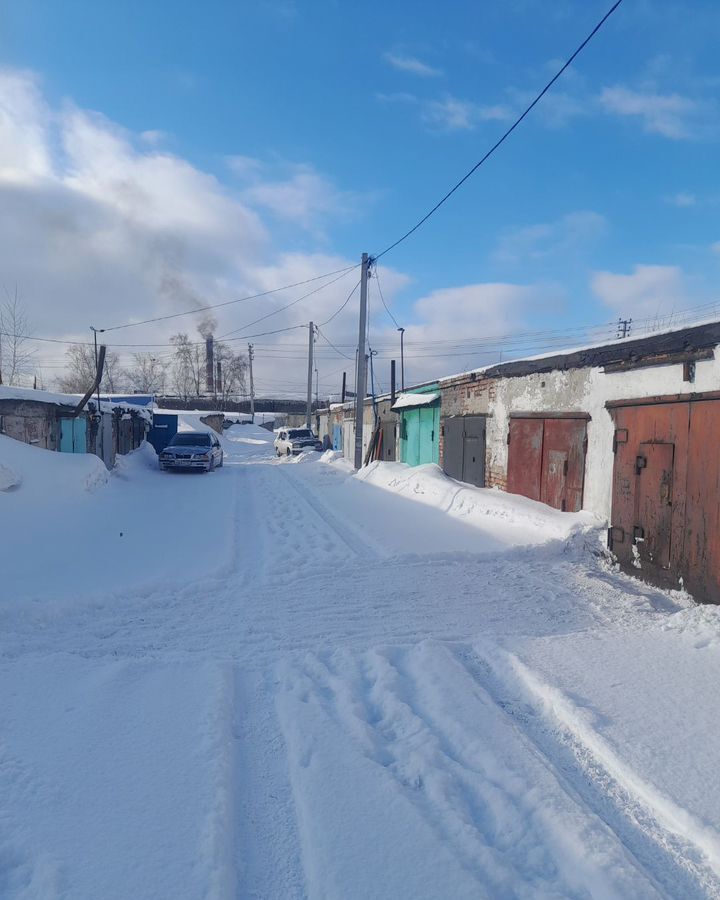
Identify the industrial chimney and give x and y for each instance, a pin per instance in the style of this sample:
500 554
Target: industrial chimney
210 364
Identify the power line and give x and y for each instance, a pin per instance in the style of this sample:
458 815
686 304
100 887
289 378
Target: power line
340 308
328 341
287 306
646 325
387 308
506 135
192 312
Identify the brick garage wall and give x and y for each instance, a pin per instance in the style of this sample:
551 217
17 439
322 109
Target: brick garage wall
495 477
468 396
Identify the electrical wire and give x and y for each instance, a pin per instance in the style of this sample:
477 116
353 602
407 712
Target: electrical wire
328 341
505 136
191 312
287 306
340 308
387 308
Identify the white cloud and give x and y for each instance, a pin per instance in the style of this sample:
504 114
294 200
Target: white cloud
303 196
682 199
412 65
24 154
715 247
99 227
568 234
671 115
648 292
452 114
397 97
470 311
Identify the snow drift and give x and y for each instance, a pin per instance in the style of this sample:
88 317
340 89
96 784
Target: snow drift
429 485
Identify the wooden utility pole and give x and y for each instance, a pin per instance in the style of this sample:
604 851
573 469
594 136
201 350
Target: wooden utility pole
252 384
361 385
311 341
344 387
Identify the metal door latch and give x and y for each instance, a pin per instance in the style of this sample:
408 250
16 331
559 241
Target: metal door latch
640 464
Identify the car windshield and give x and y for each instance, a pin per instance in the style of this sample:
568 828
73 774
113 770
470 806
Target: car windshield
300 433
190 440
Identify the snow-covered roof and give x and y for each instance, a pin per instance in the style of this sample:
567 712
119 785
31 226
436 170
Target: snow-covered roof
71 400
407 401
669 340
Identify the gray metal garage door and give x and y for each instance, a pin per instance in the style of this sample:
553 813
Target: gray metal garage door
464 449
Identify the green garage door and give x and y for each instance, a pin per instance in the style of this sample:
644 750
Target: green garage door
419 435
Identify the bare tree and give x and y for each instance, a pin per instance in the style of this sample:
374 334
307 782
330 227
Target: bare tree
16 356
148 374
187 367
80 372
233 367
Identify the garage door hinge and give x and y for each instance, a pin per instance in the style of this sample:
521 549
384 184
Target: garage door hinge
620 437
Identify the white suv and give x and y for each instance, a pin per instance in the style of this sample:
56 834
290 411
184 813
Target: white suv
291 441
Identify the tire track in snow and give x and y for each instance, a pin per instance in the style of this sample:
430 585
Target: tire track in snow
453 753
352 539
681 853
268 862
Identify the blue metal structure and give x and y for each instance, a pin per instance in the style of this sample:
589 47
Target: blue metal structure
164 428
135 399
337 437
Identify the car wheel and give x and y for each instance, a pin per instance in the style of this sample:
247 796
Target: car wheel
222 461
288 452
211 464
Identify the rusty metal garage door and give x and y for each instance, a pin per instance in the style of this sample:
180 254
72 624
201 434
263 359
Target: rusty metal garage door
546 459
665 523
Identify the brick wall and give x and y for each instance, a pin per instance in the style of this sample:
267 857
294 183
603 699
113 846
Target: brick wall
495 477
465 396
468 396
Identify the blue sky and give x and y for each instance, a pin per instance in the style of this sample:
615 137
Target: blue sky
316 131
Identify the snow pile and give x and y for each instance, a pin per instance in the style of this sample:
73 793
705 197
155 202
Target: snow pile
336 458
700 623
41 473
9 478
429 485
71 529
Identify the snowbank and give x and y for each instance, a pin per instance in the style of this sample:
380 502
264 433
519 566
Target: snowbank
36 473
429 485
71 529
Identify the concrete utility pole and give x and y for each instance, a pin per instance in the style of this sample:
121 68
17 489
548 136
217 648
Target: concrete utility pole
344 387
361 385
402 358
624 327
311 341
252 384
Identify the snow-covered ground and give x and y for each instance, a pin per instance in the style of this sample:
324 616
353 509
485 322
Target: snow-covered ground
280 680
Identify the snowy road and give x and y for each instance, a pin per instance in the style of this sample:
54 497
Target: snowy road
330 687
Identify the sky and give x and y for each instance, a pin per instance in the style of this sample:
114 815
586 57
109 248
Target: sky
156 158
